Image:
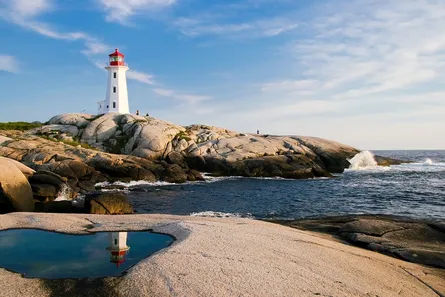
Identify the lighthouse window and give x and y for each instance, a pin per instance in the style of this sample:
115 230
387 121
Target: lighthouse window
114 89
114 104
114 75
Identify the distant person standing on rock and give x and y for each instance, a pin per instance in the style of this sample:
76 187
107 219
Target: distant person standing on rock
257 131
137 112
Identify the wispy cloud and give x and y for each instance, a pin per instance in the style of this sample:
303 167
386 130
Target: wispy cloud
256 28
9 64
25 13
28 8
192 99
121 10
374 46
366 49
141 77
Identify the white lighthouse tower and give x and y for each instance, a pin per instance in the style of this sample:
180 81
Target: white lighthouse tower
118 247
117 94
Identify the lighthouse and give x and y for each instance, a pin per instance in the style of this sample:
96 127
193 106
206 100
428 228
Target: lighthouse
118 247
116 99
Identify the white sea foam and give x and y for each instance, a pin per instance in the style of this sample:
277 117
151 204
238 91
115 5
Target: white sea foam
364 161
64 194
426 166
133 184
217 214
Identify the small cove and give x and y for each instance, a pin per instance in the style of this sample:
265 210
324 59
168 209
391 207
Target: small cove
51 255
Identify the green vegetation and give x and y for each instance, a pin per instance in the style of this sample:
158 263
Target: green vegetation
22 126
74 142
182 135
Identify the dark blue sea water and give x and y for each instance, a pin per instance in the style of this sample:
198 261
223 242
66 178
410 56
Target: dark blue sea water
50 255
413 190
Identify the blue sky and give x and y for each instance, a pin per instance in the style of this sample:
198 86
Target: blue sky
369 73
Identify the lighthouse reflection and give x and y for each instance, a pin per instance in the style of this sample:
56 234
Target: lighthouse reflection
117 245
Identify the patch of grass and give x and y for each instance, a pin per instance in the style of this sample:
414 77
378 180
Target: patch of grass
21 126
74 142
182 135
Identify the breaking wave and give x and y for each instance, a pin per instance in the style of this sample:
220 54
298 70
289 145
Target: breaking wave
363 161
217 214
132 184
64 194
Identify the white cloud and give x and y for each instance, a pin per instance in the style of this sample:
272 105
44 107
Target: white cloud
256 28
24 13
121 10
141 77
290 85
28 8
9 64
375 46
192 99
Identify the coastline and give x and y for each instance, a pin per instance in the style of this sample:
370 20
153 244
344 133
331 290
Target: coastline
228 257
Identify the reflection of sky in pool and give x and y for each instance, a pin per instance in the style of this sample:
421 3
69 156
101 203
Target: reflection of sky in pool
43 254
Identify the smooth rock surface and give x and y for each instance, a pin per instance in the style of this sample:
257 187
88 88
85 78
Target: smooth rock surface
15 191
418 241
229 257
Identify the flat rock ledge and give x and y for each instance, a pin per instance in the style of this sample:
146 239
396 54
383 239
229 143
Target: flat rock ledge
228 257
417 241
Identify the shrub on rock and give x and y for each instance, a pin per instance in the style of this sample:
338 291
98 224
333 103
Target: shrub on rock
112 203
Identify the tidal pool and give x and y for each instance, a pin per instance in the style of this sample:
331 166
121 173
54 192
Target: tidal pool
51 255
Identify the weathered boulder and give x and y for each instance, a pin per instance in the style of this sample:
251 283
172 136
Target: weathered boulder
175 158
44 192
175 174
112 203
15 191
78 119
47 186
23 168
385 161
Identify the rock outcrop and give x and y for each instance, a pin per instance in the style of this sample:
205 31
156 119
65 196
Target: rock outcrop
82 148
418 241
15 191
61 165
205 148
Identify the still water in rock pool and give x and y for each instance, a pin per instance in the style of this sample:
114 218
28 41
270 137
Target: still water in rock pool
50 255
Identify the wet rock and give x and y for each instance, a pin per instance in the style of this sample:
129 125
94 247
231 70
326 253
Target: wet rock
56 207
193 175
386 161
43 192
175 158
112 203
175 174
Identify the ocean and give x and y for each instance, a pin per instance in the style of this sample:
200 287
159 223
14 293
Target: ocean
414 190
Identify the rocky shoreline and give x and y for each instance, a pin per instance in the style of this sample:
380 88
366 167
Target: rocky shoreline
74 152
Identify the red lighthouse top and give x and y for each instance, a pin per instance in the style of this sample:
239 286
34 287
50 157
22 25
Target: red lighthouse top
117 58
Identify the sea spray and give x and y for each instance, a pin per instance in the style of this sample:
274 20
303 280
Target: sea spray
64 193
362 161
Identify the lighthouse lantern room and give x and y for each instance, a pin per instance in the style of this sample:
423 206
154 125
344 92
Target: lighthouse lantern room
117 95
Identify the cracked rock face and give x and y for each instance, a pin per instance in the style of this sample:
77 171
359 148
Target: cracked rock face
415 241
